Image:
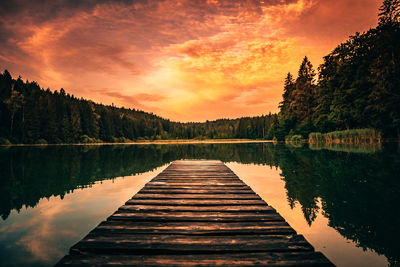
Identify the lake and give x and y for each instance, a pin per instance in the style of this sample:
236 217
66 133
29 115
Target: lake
343 200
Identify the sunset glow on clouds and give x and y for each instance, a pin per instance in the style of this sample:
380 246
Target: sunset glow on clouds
187 60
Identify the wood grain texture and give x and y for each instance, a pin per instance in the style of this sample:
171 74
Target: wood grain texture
275 259
194 213
184 244
195 228
216 208
196 202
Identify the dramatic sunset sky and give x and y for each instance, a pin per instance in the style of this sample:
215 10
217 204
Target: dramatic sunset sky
187 60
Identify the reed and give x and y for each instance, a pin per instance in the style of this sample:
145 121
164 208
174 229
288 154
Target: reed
4 142
349 137
296 138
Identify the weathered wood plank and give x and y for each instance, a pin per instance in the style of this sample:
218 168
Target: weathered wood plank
197 187
195 228
195 216
195 202
208 182
209 189
204 176
161 243
195 174
216 208
191 191
195 196
273 259
238 184
197 179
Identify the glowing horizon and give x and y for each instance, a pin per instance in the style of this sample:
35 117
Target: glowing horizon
182 60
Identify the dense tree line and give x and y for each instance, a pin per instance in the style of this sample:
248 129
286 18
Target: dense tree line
30 114
357 86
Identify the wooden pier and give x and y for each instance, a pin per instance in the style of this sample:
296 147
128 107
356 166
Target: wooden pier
194 213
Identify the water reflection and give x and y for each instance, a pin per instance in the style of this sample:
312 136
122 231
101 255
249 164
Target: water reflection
359 193
268 183
356 193
42 235
31 173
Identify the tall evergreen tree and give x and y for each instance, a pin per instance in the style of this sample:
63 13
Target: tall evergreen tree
389 12
288 89
14 104
304 96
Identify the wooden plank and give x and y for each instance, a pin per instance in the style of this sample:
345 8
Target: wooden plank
238 184
161 243
195 216
195 196
198 180
216 208
191 191
273 259
216 176
195 228
205 170
195 202
208 181
213 188
191 175
197 174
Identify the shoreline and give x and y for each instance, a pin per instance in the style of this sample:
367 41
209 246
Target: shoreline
158 142
206 141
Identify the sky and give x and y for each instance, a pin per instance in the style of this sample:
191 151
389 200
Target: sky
186 60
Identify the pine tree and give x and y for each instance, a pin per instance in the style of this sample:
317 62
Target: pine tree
14 104
285 105
303 94
76 129
389 12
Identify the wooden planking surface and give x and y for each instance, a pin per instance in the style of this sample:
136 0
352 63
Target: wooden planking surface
194 228
287 259
139 244
194 213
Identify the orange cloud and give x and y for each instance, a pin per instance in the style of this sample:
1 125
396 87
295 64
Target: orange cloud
186 60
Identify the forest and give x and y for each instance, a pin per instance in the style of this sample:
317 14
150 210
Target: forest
32 115
356 87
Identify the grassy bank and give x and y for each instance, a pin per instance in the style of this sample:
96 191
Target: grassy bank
347 137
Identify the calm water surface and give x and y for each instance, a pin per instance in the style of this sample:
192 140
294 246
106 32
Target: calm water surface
344 201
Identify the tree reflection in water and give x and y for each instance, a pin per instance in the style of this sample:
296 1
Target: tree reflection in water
357 192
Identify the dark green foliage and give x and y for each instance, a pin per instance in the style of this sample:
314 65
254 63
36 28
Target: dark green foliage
288 96
353 136
358 84
355 191
389 12
296 109
29 114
